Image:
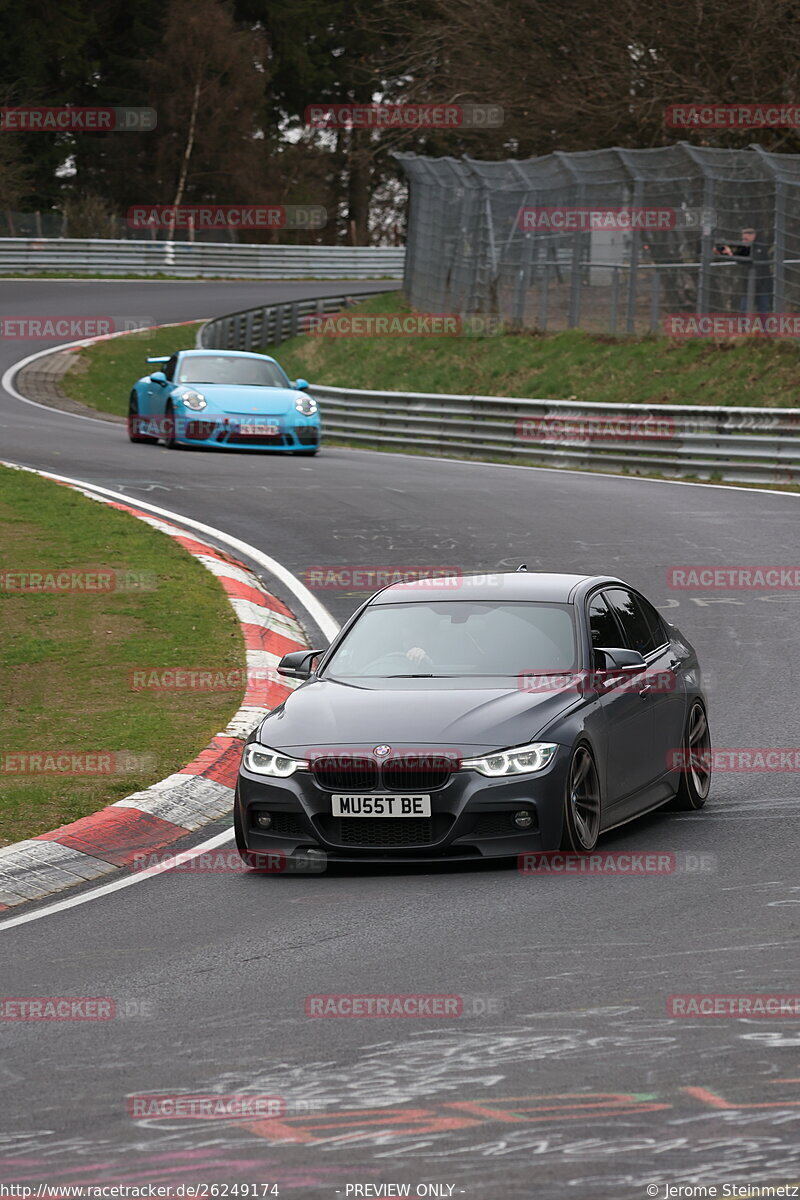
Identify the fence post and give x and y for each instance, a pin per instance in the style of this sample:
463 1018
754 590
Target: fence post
655 298
779 246
614 300
706 247
633 278
523 280
574 314
544 289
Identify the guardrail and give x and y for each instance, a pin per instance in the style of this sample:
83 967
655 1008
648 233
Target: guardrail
269 325
107 256
739 445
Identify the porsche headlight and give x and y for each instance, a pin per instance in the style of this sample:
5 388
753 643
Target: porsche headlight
521 760
261 760
196 401
306 405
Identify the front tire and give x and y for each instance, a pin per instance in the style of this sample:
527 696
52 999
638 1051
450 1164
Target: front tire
170 440
134 421
247 856
695 781
582 804
238 831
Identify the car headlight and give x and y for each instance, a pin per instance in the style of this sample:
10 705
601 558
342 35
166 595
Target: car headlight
194 400
306 405
521 760
261 760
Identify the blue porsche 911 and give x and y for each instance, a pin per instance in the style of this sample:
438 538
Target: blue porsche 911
223 398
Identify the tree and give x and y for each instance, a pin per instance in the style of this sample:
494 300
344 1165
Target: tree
207 84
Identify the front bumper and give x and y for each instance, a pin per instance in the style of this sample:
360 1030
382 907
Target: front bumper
471 818
225 433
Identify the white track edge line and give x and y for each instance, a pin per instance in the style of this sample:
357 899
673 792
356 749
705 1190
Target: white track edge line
116 885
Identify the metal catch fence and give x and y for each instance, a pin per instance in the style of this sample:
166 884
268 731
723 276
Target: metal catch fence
605 240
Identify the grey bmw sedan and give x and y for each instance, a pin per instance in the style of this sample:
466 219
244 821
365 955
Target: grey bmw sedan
468 718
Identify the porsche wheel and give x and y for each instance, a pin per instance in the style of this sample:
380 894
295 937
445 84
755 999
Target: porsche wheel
134 421
170 441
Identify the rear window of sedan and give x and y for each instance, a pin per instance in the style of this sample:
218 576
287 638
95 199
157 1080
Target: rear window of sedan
457 638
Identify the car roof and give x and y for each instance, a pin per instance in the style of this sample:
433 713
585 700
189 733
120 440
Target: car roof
225 354
508 585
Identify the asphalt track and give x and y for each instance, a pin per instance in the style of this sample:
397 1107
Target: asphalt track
568 1078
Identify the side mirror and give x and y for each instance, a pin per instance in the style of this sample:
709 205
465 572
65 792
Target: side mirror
301 385
615 658
159 377
297 665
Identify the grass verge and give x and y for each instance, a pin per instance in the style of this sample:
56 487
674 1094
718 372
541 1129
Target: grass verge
558 366
66 657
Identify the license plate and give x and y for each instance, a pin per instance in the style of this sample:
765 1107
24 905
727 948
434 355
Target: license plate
381 806
259 430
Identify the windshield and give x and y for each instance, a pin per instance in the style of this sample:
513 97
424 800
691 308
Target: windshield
225 368
454 638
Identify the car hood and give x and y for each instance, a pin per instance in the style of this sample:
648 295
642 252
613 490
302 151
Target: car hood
238 400
406 713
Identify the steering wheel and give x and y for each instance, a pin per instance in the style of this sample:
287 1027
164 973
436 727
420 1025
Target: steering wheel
393 654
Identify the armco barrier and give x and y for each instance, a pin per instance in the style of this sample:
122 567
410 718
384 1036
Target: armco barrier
741 445
269 325
107 256
737 445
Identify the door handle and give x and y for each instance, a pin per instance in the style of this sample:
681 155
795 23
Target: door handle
673 663
645 689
